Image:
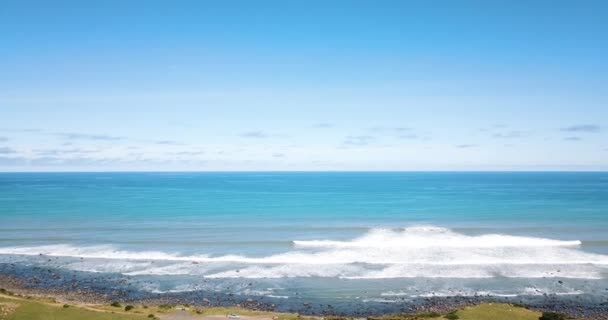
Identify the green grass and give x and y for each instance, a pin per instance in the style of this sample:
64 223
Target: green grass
486 311
220 311
25 309
407 316
22 308
164 309
497 311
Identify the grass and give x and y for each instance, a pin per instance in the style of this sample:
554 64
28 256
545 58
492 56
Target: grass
26 309
13 307
485 311
221 311
497 311
407 316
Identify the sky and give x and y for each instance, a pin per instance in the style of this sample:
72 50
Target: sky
303 85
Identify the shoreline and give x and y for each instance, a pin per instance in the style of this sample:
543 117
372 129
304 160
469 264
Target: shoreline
105 294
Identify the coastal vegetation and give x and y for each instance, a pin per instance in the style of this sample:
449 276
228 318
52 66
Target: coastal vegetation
552 316
14 307
17 307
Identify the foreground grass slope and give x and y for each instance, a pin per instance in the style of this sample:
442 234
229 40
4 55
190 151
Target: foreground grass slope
12 308
21 308
497 311
486 311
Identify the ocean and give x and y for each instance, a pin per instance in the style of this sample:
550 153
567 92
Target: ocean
363 237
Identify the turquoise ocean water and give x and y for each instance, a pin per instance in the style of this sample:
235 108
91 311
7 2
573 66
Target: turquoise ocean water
345 235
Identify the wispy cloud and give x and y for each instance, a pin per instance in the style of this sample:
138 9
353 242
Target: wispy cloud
3 139
390 129
20 130
410 135
188 153
254 134
359 140
493 127
259 134
398 132
322 125
57 152
77 161
6 150
465 146
590 128
511 134
573 138
167 142
86 136
12 161
84 162
278 155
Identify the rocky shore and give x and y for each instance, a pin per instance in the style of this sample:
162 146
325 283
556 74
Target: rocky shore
90 288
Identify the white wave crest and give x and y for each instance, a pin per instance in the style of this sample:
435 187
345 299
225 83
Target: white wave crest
428 237
426 252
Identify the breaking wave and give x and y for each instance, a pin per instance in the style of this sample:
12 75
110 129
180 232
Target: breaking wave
428 237
423 251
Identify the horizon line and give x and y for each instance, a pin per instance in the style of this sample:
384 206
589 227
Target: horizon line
314 171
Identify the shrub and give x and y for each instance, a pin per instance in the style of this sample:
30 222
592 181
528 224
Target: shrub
165 306
452 316
552 316
431 314
66 305
116 304
151 316
129 307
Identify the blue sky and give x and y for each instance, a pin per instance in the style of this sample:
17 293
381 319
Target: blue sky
309 85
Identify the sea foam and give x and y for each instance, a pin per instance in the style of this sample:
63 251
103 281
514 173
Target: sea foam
428 237
414 252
